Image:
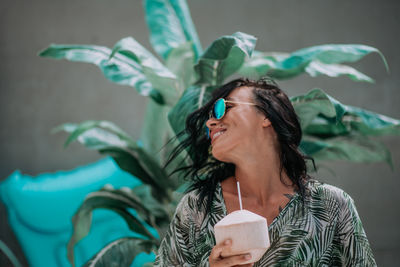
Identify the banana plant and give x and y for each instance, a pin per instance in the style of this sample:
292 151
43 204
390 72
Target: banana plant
181 82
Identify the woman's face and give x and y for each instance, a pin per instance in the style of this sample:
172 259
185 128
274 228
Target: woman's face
239 130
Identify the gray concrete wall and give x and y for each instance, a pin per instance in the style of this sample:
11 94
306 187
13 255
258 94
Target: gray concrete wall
37 94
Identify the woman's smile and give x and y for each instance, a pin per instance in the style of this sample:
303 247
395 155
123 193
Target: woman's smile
216 133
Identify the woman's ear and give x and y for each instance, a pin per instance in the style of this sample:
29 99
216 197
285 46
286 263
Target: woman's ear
266 122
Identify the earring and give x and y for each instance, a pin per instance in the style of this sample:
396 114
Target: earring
267 122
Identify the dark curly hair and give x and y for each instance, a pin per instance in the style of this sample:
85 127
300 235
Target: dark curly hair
205 171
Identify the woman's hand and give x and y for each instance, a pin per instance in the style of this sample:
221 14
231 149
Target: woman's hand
216 260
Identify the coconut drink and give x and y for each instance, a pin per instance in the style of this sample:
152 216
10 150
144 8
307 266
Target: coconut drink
247 230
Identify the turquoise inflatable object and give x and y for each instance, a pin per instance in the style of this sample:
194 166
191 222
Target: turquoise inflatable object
40 210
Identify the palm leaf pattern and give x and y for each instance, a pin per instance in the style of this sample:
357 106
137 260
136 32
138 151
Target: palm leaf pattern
324 229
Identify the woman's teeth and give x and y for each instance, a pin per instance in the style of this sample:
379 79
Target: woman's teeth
218 134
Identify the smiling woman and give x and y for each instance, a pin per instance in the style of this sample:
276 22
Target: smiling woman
254 137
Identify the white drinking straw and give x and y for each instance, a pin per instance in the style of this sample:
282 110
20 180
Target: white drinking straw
240 197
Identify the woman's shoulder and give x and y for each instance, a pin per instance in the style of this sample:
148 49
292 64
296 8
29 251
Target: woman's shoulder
189 203
193 203
327 194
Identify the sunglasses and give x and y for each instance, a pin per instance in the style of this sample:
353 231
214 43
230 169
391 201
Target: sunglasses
218 110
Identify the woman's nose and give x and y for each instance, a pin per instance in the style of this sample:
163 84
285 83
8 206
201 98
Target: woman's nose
211 122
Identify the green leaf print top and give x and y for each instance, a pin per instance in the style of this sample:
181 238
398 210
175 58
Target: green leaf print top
324 230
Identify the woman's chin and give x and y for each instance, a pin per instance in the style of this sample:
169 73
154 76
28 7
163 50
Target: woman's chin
220 154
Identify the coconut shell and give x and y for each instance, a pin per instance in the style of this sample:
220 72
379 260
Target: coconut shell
248 232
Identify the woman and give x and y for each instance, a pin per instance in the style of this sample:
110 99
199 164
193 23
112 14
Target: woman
254 136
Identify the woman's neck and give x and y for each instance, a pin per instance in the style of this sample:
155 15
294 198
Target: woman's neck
262 179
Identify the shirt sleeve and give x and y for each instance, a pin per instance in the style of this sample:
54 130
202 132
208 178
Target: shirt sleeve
355 248
176 249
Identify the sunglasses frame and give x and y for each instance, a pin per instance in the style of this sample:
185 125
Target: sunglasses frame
211 115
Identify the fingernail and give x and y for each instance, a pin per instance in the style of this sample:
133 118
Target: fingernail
247 256
227 242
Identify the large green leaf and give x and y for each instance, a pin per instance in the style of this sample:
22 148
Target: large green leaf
120 252
115 200
158 140
170 25
223 58
181 61
129 162
323 116
326 54
371 123
120 69
315 60
192 99
260 63
156 131
331 54
357 148
354 120
98 134
316 68
158 178
334 131
317 102
152 211
157 210
182 11
325 127
109 139
160 77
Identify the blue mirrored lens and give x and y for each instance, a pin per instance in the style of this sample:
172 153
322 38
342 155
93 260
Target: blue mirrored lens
219 109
